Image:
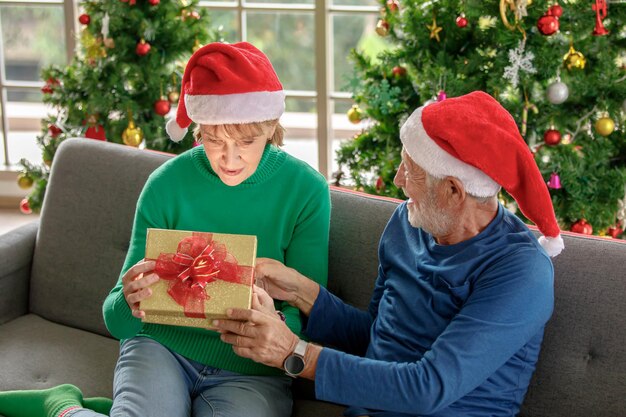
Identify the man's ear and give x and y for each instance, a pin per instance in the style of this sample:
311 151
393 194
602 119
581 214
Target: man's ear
454 190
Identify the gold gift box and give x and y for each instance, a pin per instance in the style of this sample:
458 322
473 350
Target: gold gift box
161 308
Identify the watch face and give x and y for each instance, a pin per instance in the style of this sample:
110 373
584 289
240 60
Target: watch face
294 365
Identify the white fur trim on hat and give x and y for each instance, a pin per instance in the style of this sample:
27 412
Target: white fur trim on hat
174 131
439 163
235 108
552 245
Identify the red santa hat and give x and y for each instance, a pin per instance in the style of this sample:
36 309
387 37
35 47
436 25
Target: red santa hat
227 84
474 139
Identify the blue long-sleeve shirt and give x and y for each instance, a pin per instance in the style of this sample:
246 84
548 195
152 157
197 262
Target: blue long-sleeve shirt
451 330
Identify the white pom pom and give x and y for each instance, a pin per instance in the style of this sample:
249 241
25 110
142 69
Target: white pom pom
174 131
552 245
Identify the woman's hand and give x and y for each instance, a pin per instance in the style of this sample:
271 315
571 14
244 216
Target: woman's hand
135 283
262 301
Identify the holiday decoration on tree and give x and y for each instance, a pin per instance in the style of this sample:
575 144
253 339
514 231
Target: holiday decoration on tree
434 30
112 58
605 126
581 226
142 48
132 135
601 12
355 114
557 92
25 206
574 59
548 24
552 137
162 106
461 20
519 60
382 27
555 182
24 181
393 6
569 79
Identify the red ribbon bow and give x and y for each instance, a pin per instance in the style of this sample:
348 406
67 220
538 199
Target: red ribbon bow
198 261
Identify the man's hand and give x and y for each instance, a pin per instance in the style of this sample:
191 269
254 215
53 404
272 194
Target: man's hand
257 335
284 283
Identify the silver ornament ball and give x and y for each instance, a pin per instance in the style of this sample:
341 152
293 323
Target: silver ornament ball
557 92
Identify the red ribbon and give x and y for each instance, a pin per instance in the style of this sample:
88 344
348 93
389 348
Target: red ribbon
198 261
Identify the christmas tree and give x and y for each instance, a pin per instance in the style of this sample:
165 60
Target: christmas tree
559 68
122 82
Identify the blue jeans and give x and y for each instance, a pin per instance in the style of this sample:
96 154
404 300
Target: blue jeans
152 381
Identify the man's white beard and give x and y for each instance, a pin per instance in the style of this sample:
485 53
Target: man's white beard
430 218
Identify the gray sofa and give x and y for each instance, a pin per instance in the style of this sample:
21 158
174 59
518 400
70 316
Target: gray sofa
55 273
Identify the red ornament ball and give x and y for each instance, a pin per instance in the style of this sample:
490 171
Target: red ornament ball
581 226
615 231
556 11
380 184
154 2
399 71
162 106
25 207
142 48
552 137
96 132
461 21
393 5
84 19
548 24
54 130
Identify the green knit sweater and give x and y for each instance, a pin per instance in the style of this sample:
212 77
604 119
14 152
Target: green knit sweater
285 203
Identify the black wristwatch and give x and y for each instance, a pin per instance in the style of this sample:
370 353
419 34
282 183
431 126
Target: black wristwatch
294 364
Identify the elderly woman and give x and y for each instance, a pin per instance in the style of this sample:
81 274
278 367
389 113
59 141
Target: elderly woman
239 182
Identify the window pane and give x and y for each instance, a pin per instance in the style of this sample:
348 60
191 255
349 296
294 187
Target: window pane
28 41
300 123
354 31
288 39
24 111
226 21
282 1
356 2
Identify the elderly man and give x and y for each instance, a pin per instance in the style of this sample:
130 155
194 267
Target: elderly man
463 292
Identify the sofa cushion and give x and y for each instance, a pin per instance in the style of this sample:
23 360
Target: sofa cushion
582 366
36 354
356 225
85 229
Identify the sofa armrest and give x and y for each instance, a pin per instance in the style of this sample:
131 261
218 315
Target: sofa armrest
16 255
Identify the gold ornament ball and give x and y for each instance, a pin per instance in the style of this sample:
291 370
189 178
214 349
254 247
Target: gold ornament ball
382 28
574 59
24 181
173 97
355 115
133 135
605 126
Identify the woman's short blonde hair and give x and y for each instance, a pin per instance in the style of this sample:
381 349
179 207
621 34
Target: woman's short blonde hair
246 130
